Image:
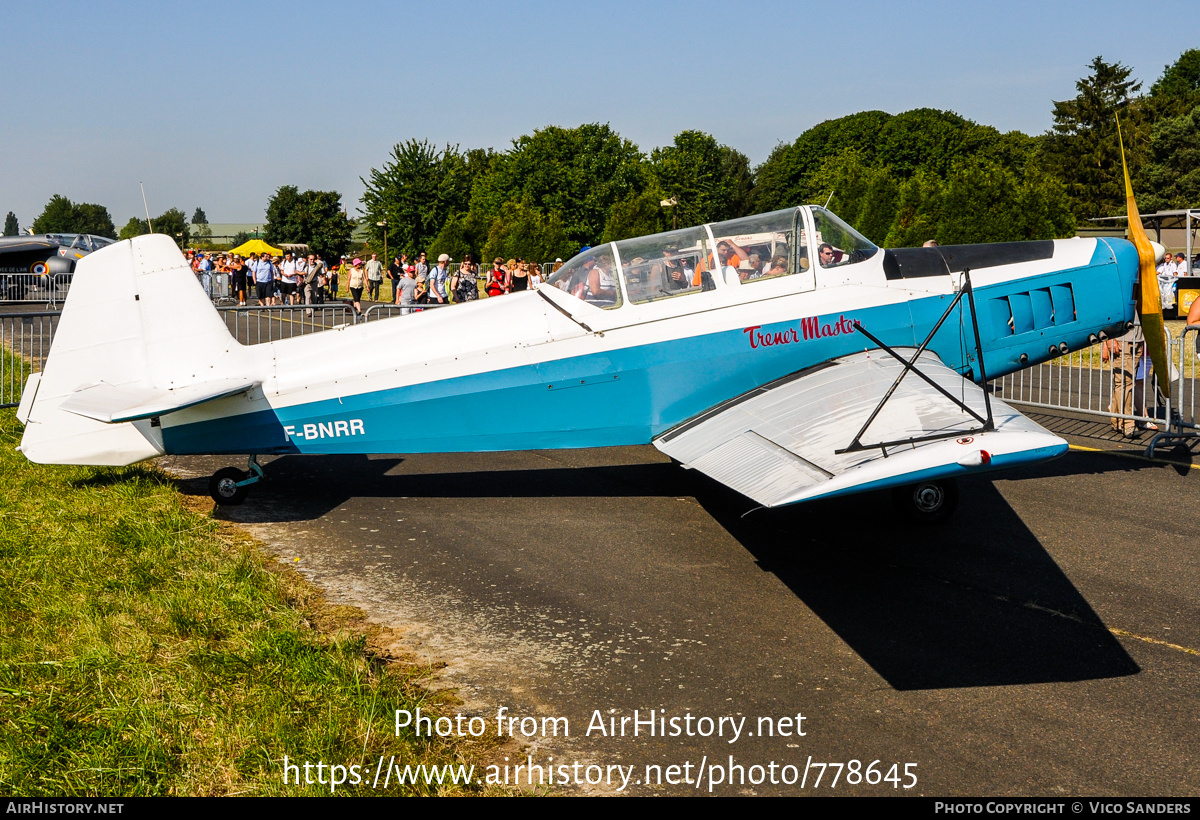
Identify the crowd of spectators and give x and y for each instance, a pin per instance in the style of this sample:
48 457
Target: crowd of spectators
305 279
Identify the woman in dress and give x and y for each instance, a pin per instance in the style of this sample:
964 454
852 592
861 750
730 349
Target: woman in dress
497 280
520 277
356 282
237 272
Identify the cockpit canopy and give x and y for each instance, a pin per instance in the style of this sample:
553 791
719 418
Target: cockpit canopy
693 260
79 241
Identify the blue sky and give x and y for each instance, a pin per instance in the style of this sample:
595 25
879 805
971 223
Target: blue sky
218 104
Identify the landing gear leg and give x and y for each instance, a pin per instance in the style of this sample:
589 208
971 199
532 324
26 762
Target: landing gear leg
231 486
927 502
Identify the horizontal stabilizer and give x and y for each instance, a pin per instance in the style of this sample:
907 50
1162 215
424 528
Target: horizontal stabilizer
129 402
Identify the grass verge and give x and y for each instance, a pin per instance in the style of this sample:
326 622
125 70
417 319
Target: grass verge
146 649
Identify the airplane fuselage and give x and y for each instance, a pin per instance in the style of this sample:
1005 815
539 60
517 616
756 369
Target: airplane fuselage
541 370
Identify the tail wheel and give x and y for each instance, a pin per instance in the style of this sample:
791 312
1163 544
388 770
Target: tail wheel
224 489
927 502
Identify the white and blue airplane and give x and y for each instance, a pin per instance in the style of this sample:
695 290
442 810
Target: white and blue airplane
783 354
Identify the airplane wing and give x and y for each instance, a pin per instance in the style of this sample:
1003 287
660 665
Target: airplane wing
29 245
788 441
112 403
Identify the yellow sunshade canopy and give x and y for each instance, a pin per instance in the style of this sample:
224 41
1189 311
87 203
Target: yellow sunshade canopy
255 246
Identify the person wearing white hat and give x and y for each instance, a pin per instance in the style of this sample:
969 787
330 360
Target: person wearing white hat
437 280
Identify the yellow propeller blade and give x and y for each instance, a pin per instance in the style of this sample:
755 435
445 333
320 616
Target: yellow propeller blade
1149 306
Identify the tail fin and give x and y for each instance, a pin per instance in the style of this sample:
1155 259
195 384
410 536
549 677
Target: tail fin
137 333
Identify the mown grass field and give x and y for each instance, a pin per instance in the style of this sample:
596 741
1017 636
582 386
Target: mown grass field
146 649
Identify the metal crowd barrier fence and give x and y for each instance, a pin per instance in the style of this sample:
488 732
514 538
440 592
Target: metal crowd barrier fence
1121 387
378 312
256 325
34 288
1187 400
25 338
24 345
1182 428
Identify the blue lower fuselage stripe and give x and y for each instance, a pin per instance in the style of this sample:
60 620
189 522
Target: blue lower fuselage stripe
629 395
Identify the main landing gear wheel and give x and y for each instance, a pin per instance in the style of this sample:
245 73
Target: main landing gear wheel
223 486
231 485
927 502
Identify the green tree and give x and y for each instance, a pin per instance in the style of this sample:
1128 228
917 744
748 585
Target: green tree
313 218
1172 174
1082 148
201 233
134 227
637 215
984 202
692 170
57 217
1178 89
785 178
521 231
878 211
11 228
931 140
63 216
843 179
462 231
921 140
918 211
456 238
94 219
174 224
739 181
574 175
409 195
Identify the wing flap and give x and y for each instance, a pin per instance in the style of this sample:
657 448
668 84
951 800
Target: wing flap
129 402
760 468
778 443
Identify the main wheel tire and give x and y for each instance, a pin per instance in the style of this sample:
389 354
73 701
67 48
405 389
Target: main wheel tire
927 502
223 486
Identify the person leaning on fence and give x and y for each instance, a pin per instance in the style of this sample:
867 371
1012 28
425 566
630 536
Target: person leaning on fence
204 271
1124 353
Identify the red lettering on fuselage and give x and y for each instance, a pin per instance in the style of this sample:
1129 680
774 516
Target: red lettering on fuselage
810 328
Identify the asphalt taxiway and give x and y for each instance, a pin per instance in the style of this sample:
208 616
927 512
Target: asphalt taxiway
1046 641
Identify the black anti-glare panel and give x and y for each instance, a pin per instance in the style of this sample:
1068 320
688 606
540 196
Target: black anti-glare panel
913 263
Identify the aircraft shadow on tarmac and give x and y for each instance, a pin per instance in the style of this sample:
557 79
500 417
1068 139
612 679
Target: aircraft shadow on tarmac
974 602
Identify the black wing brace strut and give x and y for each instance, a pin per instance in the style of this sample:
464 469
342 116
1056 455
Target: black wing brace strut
986 424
